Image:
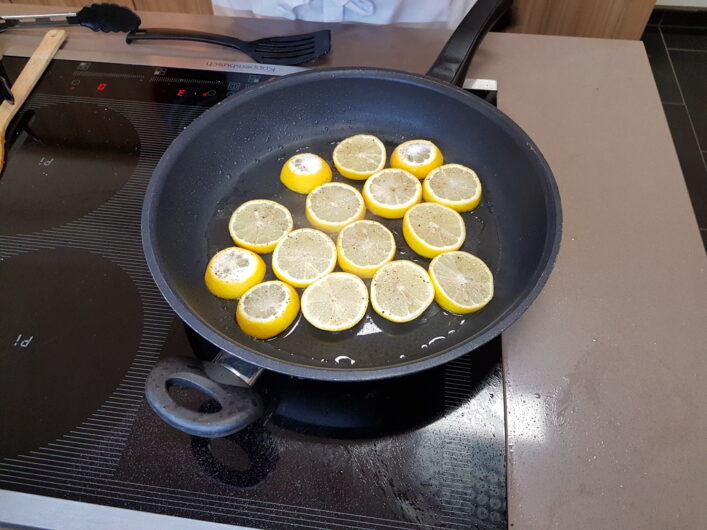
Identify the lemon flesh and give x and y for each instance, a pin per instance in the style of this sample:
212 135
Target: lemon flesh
232 271
401 291
304 172
334 205
259 225
463 283
431 229
267 309
454 186
304 256
391 192
358 157
419 157
364 247
336 302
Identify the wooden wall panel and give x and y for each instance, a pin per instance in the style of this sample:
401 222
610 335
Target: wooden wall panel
175 6
202 7
73 3
614 19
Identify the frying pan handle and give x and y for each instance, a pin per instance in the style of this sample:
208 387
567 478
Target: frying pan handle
240 404
453 61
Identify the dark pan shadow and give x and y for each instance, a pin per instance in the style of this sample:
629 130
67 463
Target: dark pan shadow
364 410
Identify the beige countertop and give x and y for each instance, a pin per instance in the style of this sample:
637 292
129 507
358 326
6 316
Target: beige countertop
605 391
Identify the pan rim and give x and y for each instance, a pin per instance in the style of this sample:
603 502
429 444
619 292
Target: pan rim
510 316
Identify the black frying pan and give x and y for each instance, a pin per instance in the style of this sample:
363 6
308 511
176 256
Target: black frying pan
234 153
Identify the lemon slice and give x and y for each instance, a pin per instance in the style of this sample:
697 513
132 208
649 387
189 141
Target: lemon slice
259 225
267 309
336 302
364 247
391 192
332 206
232 271
304 256
431 229
419 157
463 283
358 157
401 291
304 172
453 185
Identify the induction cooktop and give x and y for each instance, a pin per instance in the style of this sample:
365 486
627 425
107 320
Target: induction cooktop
82 323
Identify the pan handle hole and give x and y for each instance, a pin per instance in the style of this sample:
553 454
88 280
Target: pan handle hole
192 398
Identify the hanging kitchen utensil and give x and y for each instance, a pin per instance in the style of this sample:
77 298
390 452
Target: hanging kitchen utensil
108 18
26 81
288 50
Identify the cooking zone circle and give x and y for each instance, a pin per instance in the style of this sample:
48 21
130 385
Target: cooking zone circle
61 364
65 160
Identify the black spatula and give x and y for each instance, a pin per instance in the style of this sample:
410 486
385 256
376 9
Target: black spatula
289 50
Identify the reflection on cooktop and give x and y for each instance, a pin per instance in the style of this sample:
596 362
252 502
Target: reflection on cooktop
243 460
355 414
355 410
64 161
57 366
423 450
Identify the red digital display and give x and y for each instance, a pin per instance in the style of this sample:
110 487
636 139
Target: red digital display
204 94
102 86
181 92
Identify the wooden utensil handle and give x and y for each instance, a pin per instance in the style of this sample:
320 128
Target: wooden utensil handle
27 79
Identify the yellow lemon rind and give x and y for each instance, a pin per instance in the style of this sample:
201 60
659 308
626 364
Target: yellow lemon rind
447 303
269 329
418 170
385 211
353 174
301 182
264 248
381 311
285 277
362 271
467 205
423 248
349 325
326 226
228 290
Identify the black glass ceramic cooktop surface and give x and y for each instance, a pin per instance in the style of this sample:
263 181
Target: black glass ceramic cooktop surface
82 323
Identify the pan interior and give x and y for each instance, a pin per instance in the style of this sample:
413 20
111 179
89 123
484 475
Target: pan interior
235 155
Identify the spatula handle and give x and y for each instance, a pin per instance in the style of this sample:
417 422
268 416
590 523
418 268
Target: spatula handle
185 35
27 79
